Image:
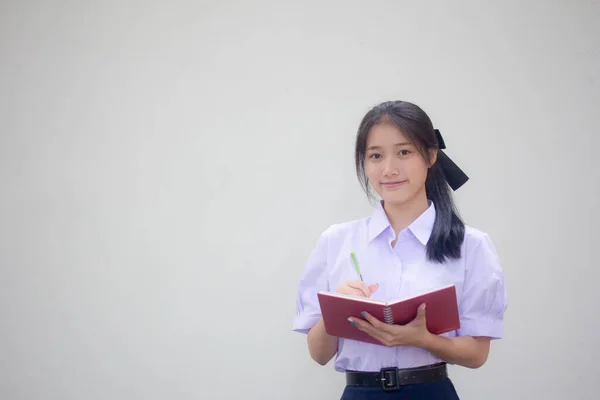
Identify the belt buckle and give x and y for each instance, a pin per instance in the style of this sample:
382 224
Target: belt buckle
389 378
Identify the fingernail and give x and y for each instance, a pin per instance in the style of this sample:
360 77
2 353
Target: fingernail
364 314
351 322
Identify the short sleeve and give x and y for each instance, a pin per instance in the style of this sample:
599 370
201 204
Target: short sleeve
483 299
312 280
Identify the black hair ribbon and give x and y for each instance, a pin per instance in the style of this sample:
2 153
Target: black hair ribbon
453 174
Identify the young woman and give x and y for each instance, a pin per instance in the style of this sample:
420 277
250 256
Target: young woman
414 241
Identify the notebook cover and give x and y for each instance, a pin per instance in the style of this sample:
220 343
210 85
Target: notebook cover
337 310
442 313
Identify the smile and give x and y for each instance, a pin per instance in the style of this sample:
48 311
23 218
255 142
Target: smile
392 185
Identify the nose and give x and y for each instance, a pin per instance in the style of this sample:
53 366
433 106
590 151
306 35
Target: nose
390 168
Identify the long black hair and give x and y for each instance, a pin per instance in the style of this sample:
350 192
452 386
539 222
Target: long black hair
448 229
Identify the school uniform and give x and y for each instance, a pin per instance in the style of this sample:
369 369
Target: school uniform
401 271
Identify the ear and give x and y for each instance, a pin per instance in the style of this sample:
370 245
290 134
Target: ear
432 157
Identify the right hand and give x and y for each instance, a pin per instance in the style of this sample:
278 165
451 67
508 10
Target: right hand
357 288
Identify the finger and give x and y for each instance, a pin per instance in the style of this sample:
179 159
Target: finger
421 311
363 325
367 328
373 288
375 322
361 287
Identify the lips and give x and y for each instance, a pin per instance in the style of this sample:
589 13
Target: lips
392 185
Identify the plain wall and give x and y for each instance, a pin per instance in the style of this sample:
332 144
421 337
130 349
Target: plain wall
167 168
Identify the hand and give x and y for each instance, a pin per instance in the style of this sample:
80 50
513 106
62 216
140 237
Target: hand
414 333
357 288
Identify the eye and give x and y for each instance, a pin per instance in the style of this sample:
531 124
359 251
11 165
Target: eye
375 156
404 152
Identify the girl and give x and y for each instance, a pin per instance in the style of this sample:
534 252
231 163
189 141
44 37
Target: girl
413 241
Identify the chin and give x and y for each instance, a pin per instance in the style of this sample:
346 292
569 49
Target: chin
395 200
398 197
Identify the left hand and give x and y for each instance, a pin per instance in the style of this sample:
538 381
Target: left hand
414 333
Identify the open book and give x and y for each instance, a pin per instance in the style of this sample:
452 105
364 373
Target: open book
441 312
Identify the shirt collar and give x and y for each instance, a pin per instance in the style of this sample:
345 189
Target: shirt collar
421 227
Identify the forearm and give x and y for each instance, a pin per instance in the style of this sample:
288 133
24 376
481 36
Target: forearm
321 346
466 351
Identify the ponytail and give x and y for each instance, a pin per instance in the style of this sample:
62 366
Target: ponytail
448 230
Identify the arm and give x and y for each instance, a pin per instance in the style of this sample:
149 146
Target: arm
467 351
321 346
481 309
308 320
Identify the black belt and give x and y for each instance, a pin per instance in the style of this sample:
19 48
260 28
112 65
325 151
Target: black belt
393 378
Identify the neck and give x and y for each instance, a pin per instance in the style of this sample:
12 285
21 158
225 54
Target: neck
402 215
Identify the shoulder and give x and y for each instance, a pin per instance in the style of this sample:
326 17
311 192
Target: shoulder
341 230
333 240
475 237
337 237
478 249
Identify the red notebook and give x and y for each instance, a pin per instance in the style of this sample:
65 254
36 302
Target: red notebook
441 312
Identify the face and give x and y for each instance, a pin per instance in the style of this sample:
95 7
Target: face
395 168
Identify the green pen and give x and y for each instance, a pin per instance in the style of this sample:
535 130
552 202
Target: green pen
356 267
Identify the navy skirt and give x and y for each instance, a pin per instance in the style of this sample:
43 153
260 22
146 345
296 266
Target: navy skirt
440 390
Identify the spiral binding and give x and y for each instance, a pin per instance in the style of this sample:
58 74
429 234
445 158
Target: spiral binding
387 315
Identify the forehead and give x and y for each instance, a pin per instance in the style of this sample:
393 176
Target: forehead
386 134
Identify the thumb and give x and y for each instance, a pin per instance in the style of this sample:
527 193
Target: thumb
421 311
373 287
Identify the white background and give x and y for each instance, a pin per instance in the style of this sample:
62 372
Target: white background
166 169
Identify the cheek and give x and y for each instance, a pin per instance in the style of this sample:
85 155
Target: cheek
418 173
372 172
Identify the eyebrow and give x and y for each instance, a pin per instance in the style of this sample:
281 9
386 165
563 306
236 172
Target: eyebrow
397 144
